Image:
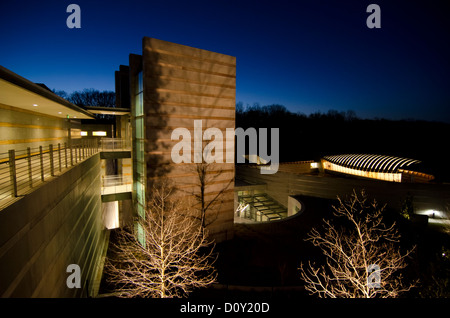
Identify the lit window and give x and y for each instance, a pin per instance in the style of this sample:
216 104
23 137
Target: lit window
99 133
84 133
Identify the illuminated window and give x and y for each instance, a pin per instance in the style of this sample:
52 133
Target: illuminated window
138 146
140 234
99 133
84 133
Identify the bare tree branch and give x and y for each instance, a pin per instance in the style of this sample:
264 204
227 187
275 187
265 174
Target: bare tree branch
350 253
169 258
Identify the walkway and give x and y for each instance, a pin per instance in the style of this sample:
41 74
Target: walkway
113 184
23 170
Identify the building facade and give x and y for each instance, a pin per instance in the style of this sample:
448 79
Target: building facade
51 210
64 182
175 86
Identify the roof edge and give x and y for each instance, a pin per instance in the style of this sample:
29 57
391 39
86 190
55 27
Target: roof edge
24 83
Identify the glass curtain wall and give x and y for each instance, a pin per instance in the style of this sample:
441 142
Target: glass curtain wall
139 157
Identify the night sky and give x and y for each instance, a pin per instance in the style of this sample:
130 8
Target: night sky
307 55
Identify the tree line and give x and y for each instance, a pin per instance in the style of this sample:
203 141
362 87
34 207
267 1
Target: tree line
310 137
89 97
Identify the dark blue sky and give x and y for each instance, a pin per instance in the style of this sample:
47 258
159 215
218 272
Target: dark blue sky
307 55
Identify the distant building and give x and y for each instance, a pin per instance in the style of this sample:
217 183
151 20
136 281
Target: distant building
389 179
381 167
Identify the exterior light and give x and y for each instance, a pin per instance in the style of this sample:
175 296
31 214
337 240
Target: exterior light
99 133
432 214
35 105
60 113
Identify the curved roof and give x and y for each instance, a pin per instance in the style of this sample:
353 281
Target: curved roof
370 162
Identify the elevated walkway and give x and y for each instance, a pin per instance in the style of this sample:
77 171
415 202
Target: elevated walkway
22 171
114 148
116 188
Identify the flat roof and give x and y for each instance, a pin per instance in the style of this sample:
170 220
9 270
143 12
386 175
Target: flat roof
17 91
103 110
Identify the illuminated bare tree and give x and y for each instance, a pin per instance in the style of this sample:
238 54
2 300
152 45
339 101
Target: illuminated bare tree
362 259
169 256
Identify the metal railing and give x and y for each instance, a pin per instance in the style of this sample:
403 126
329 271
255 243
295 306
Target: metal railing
114 144
116 184
22 170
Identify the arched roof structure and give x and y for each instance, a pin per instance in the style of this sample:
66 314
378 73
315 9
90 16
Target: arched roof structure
371 162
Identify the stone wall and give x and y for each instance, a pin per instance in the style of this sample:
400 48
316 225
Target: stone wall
182 85
58 224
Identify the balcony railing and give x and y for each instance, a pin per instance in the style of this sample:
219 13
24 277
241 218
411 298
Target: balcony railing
22 170
114 144
116 184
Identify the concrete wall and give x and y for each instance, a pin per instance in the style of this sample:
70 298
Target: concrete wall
183 84
294 206
296 167
20 129
58 224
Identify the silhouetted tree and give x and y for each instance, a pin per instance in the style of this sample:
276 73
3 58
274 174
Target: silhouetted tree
61 93
92 97
407 209
89 97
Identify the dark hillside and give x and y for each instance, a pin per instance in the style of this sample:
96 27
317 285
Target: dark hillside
310 137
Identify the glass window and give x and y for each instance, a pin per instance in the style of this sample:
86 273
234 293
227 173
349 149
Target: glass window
139 104
99 133
139 95
140 150
140 193
140 233
139 168
139 127
140 80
